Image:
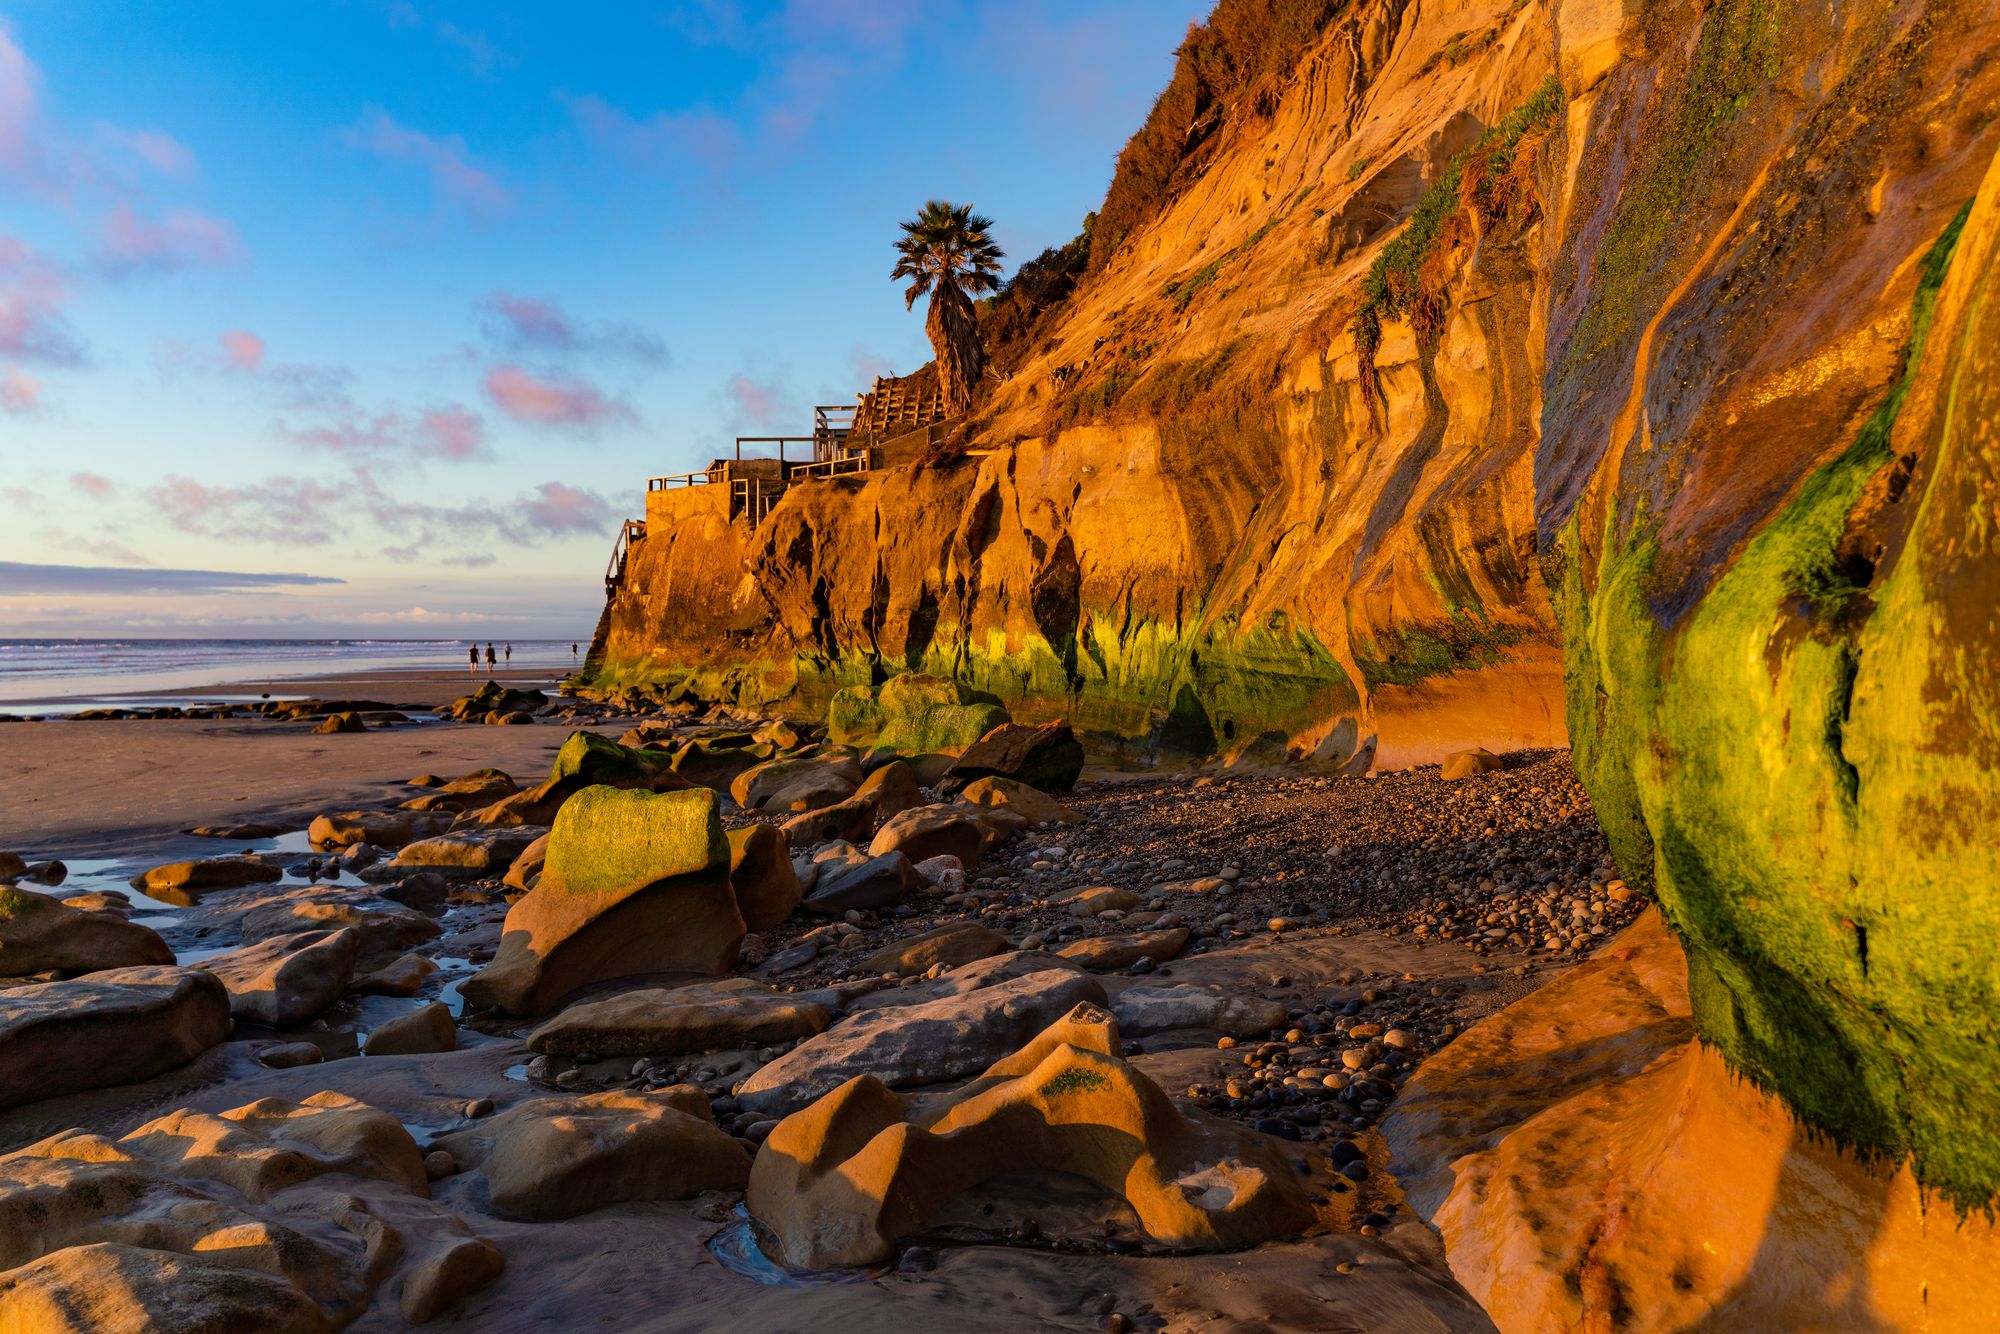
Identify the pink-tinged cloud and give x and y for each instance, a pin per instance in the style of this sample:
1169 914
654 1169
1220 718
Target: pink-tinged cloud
540 324
662 141
557 510
20 392
283 510
551 402
19 108
534 320
182 239
154 149
766 404
93 484
454 175
454 433
32 292
243 349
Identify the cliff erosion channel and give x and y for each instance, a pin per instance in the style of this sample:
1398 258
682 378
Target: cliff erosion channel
1622 374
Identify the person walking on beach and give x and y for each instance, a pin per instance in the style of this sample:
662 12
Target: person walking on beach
510 654
472 655
489 657
572 654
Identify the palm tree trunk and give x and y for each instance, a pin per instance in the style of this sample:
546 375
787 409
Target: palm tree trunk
953 328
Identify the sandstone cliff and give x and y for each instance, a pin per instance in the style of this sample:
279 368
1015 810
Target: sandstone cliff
1617 369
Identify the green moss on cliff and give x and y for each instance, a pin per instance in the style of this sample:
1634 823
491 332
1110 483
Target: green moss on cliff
1833 960
1396 286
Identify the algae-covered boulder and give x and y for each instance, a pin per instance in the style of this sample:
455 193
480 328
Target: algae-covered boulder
634 883
585 760
854 717
913 714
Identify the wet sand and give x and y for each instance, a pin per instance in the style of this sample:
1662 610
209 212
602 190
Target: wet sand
102 789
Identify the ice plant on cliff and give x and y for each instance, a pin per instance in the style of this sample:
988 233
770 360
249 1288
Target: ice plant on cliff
947 250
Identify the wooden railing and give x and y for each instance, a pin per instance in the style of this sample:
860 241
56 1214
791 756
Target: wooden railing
671 480
621 552
847 461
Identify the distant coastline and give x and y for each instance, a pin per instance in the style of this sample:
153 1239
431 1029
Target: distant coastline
40 675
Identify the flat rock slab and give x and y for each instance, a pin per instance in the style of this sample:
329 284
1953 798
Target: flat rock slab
1145 1010
115 1027
386 928
963 943
184 882
735 1012
909 1046
1111 954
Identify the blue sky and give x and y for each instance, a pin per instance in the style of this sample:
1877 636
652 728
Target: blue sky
414 296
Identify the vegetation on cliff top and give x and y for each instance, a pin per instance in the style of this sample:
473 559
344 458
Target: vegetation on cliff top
1235 59
948 251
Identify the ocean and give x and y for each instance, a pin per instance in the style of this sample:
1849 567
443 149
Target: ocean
80 673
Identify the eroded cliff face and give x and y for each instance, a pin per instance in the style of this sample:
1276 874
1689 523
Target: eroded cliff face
1184 524
1629 365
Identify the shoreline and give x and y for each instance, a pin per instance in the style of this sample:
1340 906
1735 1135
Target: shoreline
410 685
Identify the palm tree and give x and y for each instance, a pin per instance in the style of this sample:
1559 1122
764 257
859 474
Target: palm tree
947 252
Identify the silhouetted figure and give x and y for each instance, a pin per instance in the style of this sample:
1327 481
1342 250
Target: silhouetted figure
472 656
491 658
510 655
572 653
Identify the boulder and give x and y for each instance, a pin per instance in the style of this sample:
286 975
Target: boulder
844 821
492 697
403 976
707 1016
707 763
1112 954
875 883
285 981
948 945
761 876
341 722
427 1030
481 787
1033 803
352 827
839 1182
184 882
12 866
465 855
1143 1011
38 934
1470 764
797 784
385 928
932 831
925 1043
1094 899
1048 757
554 1158
635 883
890 789
115 1027
526 869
